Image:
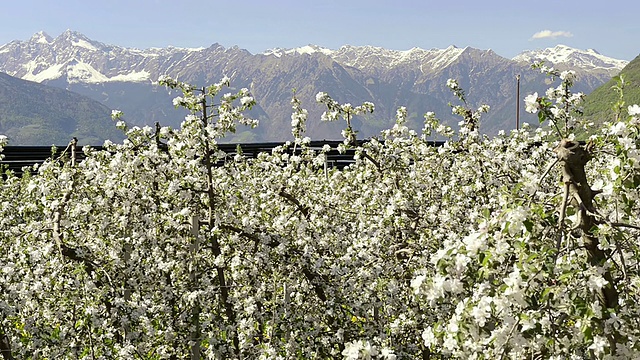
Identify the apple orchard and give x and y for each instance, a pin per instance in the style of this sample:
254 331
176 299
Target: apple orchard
520 246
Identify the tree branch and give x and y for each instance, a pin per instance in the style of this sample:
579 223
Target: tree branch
617 224
303 209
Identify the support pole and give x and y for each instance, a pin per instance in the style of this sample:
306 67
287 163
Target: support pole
73 144
195 311
518 102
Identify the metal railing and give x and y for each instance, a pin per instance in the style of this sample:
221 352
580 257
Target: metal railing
18 157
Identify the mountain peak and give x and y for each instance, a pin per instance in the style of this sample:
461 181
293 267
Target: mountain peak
41 37
307 49
77 39
71 34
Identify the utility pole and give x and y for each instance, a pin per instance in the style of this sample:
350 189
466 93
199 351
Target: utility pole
518 102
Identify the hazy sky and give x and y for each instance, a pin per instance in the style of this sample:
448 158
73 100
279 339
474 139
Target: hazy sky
506 26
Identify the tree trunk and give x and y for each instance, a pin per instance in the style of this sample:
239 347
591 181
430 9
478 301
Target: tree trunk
5 345
574 157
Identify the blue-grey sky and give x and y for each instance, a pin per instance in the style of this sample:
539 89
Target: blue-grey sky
506 26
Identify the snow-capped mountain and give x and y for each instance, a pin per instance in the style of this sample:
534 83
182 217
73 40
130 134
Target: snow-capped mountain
564 56
308 49
363 57
123 78
78 59
373 56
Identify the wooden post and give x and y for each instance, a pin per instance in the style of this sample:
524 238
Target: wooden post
73 144
326 168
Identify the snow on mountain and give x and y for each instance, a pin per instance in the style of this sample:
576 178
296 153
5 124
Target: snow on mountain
84 44
41 38
168 51
564 55
366 56
134 76
80 72
308 49
445 57
49 73
78 59
376 57
76 40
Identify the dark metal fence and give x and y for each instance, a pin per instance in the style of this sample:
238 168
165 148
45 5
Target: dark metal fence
17 157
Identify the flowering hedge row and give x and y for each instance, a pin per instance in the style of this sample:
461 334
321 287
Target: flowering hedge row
519 246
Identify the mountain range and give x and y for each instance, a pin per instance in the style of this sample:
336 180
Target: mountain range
125 79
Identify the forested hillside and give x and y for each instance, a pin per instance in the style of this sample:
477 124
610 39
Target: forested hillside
598 104
36 114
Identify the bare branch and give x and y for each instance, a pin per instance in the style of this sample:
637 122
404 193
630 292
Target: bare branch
563 211
303 209
618 224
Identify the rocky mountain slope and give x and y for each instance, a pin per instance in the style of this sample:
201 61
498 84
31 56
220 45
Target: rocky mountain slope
123 78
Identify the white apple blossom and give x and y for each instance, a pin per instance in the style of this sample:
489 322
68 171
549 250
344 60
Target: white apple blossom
416 283
599 345
352 350
618 129
387 354
246 100
116 114
531 103
322 96
596 282
567 75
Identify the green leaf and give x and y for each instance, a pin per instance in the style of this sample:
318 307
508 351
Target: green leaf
541 117
528 224
586 330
